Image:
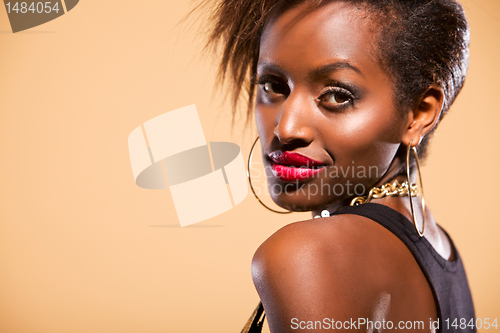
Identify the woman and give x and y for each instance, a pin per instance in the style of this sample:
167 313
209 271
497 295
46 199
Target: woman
345 94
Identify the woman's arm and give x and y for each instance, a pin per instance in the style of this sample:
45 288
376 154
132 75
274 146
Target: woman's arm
340 270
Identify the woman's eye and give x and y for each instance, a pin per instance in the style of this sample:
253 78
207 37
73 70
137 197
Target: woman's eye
336 97
275 88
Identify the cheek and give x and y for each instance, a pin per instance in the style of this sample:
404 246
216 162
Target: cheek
265 119
368 136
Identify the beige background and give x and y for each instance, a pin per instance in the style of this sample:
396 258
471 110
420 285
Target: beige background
83 249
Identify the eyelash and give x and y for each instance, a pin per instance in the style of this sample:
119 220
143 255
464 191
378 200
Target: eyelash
333 88
266 79
349 97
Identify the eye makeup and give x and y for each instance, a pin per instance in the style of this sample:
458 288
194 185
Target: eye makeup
344 95
334 96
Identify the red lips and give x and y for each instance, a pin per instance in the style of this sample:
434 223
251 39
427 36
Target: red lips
291 166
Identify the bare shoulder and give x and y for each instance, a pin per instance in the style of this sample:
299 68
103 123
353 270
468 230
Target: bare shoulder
337 248
345 266
328 242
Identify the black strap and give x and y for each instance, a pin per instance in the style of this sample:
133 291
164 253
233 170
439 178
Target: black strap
256 320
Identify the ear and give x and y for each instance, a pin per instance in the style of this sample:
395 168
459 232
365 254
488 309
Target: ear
424 115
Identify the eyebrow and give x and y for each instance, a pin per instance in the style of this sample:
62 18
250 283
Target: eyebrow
326 70
319 72
269 66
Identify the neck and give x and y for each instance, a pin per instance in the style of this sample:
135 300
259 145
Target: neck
392 173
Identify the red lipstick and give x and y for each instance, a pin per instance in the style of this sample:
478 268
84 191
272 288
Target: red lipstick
291 166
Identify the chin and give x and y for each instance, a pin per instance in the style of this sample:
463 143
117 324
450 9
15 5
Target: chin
302 203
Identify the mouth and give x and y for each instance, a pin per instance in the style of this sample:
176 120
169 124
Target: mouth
291 166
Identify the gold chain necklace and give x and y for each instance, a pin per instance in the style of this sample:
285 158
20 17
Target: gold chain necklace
394 189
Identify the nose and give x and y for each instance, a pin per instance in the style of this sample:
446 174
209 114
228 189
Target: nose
295 122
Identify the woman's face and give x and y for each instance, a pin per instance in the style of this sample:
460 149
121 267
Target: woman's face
325 115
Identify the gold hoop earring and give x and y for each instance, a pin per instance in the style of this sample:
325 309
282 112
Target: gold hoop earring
408 150
250 182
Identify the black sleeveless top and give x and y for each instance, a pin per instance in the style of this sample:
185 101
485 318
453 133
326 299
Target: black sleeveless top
447 279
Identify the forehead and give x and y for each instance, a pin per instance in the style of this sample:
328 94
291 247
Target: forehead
334 31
